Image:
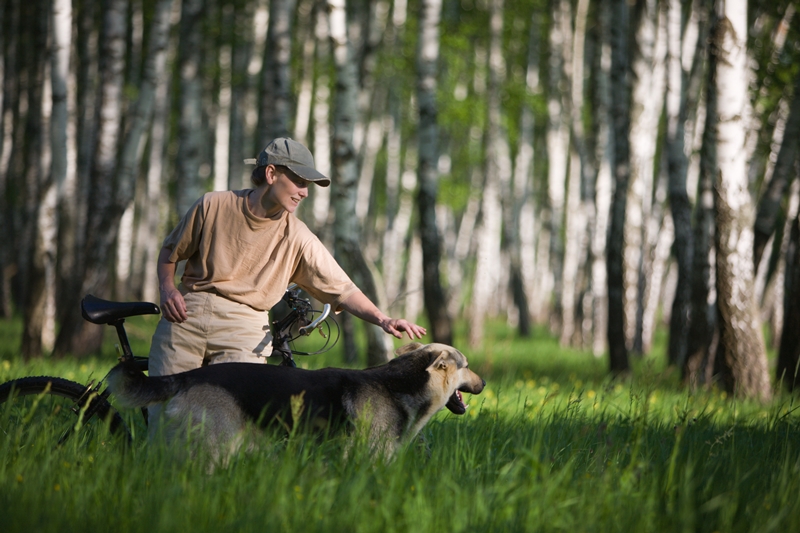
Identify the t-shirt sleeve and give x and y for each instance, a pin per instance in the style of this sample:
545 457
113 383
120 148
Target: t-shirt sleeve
184 239
320 275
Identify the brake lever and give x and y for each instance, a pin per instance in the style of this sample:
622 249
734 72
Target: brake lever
306 330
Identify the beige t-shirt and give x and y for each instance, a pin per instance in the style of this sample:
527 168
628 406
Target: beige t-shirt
250 259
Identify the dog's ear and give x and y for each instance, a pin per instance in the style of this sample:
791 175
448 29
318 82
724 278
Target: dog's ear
408 348
440 361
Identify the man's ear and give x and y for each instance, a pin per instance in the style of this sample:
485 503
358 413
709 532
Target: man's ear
408 348
270 174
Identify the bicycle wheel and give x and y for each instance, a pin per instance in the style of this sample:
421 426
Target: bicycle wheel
54 411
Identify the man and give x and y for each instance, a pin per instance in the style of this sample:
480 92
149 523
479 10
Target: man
242 249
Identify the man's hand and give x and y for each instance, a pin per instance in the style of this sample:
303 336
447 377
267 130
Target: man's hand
396 327
361 306
173 306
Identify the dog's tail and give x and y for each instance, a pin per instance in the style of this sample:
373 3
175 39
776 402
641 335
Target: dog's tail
133 389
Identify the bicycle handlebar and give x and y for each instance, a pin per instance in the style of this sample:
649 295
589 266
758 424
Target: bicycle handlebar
306 330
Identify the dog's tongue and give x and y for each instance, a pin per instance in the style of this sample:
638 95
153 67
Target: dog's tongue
456 404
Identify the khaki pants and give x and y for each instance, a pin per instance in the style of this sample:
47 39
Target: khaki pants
217 330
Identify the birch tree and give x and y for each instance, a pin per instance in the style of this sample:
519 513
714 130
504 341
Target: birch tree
557 146
648 64
788 367
154 74
703 338
8 77
678 194
39 194
580 176
427 71
742 343
778 183
620 111
187 168
275 103
487 270
603 188
345 176
76 336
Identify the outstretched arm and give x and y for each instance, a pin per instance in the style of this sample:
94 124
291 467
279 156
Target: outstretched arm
362 307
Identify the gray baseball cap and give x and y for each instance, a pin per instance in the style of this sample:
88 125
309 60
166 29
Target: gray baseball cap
292 155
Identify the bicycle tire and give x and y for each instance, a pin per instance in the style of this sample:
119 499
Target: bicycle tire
33 405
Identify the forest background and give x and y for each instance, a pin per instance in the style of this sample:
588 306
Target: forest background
596 167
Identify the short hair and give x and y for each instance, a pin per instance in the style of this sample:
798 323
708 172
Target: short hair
259 176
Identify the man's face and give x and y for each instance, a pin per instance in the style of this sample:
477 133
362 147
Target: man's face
288 189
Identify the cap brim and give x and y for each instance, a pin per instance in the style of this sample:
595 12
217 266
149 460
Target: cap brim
309 174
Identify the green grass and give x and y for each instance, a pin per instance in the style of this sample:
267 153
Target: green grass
551 445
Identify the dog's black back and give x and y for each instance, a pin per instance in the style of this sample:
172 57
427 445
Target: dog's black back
264 392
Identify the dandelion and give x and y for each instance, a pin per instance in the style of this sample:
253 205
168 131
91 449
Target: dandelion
56 487
591 394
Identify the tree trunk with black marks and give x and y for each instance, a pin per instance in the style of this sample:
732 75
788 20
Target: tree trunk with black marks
741 339
620 113
427 71
345 179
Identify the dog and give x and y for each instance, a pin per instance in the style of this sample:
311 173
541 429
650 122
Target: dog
392 402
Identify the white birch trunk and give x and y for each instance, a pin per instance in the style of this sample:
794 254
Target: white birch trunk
648 101
223 128
414 296
60 161
133 146
322 134
155 206
394 266
464 240
741 332
603 193
370 148
488 267
345 175
576 215
189 186
305 94
526 217
558 147
276 96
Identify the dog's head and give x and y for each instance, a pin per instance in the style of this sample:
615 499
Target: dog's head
450 374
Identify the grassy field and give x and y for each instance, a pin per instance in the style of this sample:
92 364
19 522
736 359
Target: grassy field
551 445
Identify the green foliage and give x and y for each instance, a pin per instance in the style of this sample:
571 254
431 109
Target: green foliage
551 445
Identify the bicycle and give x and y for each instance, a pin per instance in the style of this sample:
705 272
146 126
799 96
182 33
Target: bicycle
70 407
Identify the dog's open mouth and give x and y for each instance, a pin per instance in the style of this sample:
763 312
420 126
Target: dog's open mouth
456 404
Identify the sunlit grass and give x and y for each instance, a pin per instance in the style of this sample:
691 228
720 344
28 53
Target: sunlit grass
552 444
